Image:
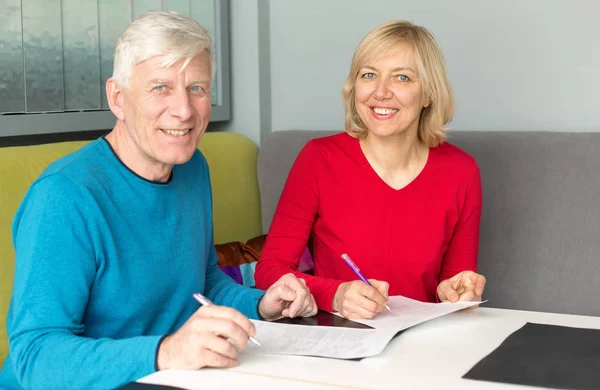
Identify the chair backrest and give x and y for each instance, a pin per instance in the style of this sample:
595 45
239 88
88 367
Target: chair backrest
540 226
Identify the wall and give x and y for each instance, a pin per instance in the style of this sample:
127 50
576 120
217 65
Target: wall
250 71
515 65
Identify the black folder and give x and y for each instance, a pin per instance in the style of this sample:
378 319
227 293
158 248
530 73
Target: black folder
147 386
544 355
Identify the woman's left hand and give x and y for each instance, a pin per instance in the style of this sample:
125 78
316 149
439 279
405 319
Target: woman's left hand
464 286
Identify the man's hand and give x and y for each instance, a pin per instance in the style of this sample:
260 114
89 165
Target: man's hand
357 299
464 286
203 340
288 297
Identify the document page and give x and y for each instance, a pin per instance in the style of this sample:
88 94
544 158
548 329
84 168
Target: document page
407 312
326 341
349 343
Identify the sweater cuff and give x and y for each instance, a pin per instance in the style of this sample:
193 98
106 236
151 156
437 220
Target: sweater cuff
325 294
156 353
257 308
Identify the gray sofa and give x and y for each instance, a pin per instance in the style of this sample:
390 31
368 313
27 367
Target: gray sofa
540 226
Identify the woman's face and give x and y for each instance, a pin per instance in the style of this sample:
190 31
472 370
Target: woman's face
389 95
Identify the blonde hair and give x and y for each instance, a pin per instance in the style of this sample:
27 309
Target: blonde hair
430 67
160 33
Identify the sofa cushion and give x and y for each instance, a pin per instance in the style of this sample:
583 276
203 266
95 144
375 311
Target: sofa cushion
236 201
540 224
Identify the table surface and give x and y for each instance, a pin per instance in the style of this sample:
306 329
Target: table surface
432 355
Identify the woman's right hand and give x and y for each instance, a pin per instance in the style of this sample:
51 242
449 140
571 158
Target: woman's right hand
358 300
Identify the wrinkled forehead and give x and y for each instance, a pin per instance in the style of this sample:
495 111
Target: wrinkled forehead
167 67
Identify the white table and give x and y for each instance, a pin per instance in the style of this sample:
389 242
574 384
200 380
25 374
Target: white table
433 355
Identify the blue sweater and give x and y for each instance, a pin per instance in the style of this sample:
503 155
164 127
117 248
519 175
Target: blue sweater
106 264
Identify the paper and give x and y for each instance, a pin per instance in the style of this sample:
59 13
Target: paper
349 343
326 341
407 312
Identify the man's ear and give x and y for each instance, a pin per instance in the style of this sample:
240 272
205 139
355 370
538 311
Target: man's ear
114 95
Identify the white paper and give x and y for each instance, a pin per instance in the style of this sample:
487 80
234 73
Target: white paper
327 341
407 312
348 343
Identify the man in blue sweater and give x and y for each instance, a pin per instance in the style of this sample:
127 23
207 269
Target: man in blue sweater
112 240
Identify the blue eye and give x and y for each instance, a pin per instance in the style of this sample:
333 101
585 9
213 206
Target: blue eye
368 75
196 88
159 88
403 77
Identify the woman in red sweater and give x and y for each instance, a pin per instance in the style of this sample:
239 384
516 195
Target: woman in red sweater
389 192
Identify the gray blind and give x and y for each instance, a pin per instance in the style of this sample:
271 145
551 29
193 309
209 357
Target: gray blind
56 55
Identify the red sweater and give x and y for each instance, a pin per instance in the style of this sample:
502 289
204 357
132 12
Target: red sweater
413 238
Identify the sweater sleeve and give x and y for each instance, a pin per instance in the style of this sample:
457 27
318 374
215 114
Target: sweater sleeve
223 290
291 228
54 271
463 247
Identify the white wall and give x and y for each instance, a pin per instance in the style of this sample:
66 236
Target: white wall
514 64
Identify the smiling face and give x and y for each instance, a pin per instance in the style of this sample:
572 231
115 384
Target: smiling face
388 93
163 113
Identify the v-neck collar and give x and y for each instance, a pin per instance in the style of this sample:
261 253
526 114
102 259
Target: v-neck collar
364 162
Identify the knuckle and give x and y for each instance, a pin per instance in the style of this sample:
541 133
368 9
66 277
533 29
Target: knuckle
220 360
372 307
230 328
231 351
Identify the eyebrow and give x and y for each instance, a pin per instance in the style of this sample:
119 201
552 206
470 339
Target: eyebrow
158 81
166 81
200 81
393 70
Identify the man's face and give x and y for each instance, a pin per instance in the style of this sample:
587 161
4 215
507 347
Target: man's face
167 110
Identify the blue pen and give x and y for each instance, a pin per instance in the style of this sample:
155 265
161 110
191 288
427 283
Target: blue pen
206 302
356 270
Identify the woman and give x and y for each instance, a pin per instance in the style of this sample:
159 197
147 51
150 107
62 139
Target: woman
389 192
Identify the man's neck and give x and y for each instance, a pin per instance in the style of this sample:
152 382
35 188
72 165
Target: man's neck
134 158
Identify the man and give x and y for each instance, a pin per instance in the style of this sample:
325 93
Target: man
113 240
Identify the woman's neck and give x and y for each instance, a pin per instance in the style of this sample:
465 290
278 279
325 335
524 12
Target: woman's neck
396 160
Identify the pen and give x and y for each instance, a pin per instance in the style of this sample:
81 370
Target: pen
207 302
356 270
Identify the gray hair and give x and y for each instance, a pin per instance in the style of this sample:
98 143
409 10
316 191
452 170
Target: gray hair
160 33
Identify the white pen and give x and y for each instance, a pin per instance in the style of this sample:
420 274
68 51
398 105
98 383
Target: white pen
207 302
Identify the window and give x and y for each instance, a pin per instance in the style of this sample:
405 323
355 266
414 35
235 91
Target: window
56 55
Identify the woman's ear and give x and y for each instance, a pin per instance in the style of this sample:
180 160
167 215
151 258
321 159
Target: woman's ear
114 95
427 102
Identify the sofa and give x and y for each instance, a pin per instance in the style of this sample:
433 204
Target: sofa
540 227
540 223
232 161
